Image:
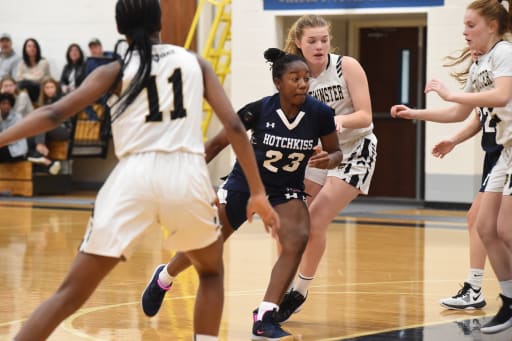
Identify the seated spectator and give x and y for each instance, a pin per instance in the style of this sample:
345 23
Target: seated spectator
97 55
32 69
50 93
74 71
23 104
8 58
17 150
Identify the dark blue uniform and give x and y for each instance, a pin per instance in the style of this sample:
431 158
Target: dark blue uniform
489 145
282 148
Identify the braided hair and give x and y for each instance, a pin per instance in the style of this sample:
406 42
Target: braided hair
138 20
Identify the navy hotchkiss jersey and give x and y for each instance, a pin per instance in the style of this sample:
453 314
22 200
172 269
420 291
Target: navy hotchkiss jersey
282 147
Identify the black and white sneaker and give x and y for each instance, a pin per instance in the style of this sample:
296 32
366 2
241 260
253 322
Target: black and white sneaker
502 320
292 303
36 157
467 298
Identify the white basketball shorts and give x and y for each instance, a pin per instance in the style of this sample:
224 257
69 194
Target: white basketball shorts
172 190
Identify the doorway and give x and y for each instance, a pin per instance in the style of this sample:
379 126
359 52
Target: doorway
394 60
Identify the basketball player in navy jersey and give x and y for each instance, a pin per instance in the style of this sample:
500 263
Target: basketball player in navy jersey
285 130
340 82
156 128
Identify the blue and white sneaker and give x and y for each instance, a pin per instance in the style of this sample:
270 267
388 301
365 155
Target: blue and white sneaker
268 329
154 293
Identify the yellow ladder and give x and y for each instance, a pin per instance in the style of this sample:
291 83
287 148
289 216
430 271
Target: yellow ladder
217 49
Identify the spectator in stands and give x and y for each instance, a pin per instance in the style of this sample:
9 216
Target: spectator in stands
50 93
74 71
22 101
97 55
17 150
8 58
23 104
32 69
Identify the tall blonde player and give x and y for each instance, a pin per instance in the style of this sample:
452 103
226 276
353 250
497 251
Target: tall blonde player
161 177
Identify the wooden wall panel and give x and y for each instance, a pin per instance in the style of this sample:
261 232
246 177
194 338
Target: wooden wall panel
177 16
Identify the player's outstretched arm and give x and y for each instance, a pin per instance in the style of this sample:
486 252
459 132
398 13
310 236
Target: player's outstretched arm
50 116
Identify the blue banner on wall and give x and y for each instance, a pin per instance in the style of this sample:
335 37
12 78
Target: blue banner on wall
324 4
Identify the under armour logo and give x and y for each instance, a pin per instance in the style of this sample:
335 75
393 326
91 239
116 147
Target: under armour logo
268 125
289 196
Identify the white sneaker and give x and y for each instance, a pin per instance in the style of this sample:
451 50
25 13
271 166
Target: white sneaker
467 298
54 168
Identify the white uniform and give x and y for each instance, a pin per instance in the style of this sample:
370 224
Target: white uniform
161 177
359 146
495 64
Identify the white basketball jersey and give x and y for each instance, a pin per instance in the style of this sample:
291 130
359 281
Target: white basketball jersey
166 116
330 87
494 64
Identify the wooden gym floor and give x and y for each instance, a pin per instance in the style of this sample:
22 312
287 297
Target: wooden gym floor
385 269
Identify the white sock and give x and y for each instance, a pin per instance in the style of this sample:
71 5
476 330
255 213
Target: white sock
201 337
164 278
506 288
475 278
302 284
264 307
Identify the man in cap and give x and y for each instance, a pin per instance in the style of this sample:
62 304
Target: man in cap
8 58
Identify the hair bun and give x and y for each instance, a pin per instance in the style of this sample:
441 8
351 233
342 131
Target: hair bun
272 54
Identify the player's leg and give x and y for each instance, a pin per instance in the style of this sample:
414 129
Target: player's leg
343 184
208 263
499 257
85 274
164 274
293 236
470 296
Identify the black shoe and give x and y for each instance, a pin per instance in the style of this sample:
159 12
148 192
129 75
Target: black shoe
292 303
154 294
268 329
502 320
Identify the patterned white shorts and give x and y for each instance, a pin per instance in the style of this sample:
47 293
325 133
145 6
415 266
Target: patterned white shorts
357 166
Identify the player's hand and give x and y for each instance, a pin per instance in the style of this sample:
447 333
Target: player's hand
401 111
260 205
319 159
338 121
436 86
443 148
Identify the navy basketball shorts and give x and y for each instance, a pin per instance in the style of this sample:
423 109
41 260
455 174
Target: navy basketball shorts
236 202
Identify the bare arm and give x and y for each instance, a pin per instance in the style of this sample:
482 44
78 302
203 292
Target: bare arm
497 97
237 136
50 116
469 130
215 145
453 113
357 84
